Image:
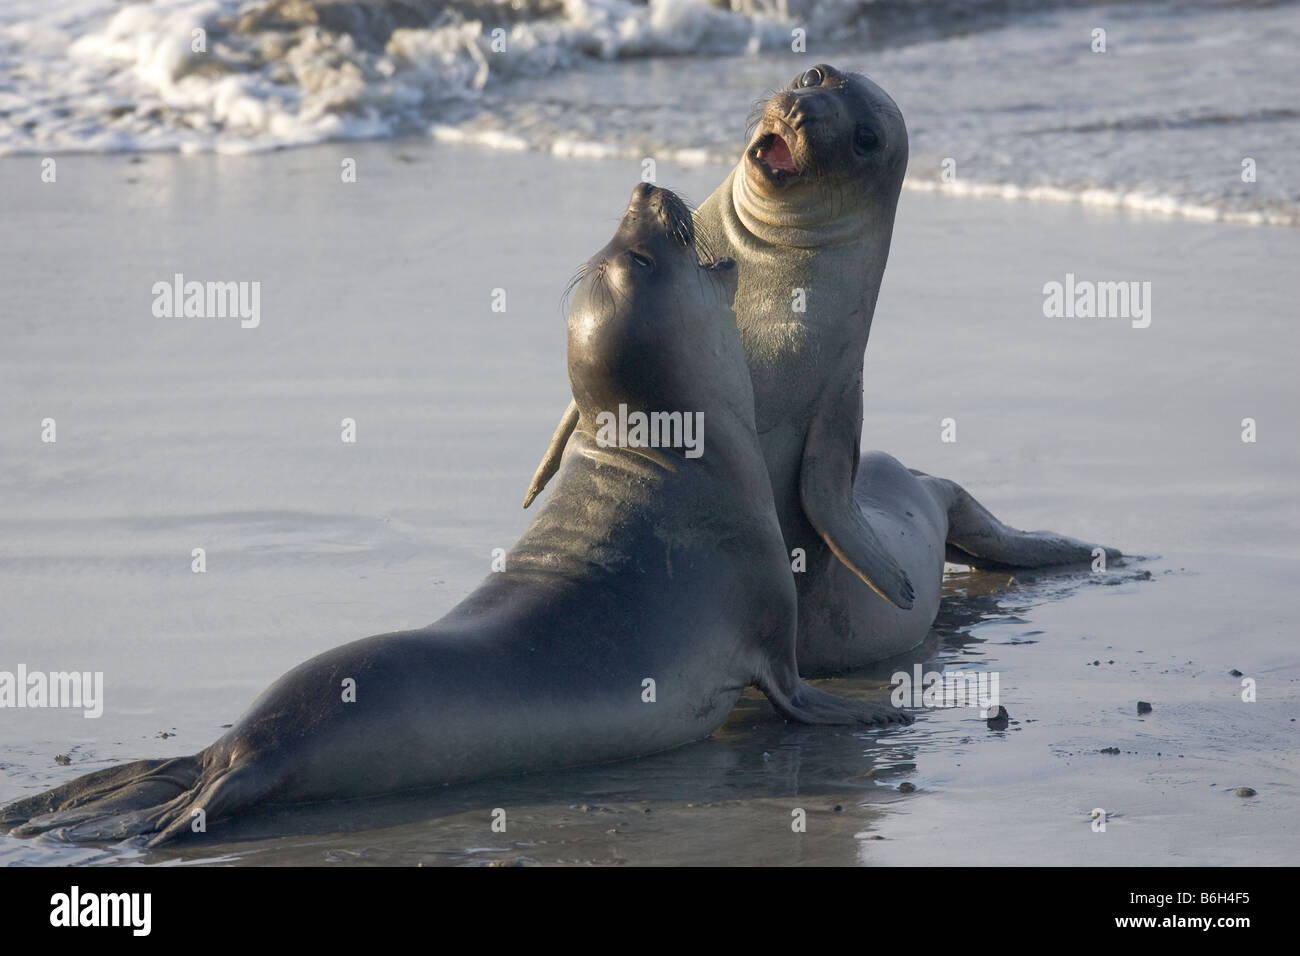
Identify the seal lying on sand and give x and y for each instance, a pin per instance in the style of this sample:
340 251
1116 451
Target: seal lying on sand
645 564
807 214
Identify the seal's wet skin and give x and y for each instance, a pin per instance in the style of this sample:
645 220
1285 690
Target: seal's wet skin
807 215
651 588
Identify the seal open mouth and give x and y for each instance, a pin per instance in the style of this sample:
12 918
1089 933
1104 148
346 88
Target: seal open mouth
772 153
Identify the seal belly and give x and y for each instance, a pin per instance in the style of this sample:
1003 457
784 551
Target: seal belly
847 625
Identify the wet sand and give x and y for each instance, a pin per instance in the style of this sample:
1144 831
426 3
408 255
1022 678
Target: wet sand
175 434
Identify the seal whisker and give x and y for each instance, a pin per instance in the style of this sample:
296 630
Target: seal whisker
572 284
609 294
756 113
678 219
703 250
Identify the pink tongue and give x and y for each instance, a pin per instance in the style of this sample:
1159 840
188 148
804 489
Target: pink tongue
778 156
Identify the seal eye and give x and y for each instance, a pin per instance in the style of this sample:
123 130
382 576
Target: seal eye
864 138
642 261
811 78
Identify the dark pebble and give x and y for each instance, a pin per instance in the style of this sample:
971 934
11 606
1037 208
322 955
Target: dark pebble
904 788
1235 673
1144 707
1244 792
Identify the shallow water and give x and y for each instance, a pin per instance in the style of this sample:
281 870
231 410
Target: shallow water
1022 794
177 434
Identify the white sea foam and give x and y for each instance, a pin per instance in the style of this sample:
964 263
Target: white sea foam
1160 123
1133 200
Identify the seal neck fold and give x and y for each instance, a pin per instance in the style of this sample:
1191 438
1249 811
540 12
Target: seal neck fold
778 224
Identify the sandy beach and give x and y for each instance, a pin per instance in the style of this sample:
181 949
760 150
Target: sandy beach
175 434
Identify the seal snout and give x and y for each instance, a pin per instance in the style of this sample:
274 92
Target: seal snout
780 135
663 207
781 148
802 108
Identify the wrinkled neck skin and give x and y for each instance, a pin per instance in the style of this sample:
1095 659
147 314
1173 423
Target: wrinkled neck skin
810 225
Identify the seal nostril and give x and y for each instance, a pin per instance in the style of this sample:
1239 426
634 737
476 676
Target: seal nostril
806 109
644 190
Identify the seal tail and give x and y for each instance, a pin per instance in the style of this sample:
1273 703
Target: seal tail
161 799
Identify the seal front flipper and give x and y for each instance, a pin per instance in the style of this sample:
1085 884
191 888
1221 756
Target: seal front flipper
826 492
551 460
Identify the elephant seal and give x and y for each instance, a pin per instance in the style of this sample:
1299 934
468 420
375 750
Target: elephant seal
808 214
646 564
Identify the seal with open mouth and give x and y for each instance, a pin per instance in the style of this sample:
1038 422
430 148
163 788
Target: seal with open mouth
808 214
649 590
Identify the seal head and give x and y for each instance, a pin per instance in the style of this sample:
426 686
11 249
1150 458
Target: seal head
633 299
824 151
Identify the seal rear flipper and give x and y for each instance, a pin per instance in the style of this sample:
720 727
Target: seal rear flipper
158 797
554 452
220 794
826 493
106 795
977 538
805 704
